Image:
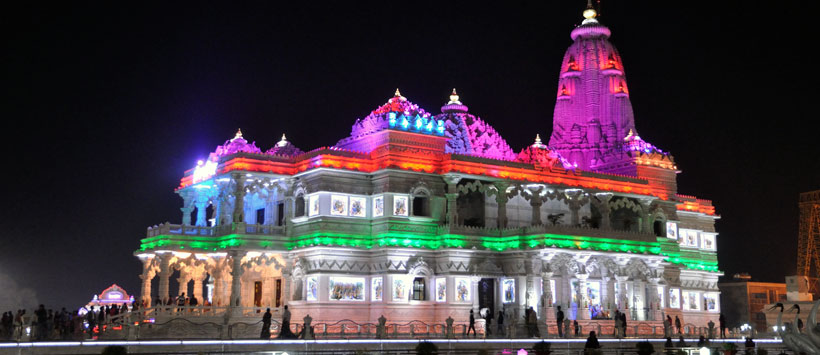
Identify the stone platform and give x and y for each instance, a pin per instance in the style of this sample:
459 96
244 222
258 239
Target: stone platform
342 346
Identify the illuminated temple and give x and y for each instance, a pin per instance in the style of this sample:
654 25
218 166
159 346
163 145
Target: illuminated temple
418 215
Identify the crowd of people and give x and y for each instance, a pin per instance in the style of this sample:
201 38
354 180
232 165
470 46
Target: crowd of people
48 324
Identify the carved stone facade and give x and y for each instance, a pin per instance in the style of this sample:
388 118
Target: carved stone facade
423 217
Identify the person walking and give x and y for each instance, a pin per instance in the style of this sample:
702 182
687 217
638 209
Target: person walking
472 323
559 317
678 325
266 325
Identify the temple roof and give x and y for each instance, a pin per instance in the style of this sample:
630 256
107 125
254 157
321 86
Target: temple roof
470 135
398 113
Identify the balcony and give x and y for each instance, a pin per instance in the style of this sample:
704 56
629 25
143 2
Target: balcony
215 231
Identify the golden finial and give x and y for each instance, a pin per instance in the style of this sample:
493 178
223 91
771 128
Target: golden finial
590 13
398 93
537 139
283 141
454 98
628 135
238 133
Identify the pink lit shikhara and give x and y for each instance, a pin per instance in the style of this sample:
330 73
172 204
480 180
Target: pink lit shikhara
593 113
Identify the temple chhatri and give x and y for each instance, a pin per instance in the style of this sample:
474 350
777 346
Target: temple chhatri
420 216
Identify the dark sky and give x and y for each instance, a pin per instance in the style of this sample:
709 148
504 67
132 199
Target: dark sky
107 105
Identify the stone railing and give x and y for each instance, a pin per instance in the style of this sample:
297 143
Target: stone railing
545 229
215 231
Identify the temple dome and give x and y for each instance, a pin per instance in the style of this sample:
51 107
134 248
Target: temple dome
235 145
284 147
593 112
542 157
470 135
398 113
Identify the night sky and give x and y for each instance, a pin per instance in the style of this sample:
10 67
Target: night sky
106 106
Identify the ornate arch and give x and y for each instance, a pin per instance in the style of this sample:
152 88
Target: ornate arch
419 268
637 266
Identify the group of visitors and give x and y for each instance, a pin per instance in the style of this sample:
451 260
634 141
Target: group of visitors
179 301
284 331
48 324
620 324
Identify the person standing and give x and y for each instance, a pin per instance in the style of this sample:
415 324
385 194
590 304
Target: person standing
559 317
500 322
623 324
285 332
472 323
592 342
722 322
266 325
678 325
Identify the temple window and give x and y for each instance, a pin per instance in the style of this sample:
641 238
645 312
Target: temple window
421 206
418 289
210 215
299 208
280 213
260 216
659 227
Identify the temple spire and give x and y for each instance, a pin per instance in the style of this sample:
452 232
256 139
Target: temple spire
238 134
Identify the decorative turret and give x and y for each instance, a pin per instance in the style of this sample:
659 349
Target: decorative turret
454 105
284 147
542 157
236 145
469 134
592 111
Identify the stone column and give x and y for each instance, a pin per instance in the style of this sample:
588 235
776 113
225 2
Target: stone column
452 197
547 298
535 202
186 207
147 275
603 207
164 276
186 215
646 225
655 312
200 213
236 277
239 194
475 279
501 200
575 199
183 280
199 279
270 209
623 299
583 305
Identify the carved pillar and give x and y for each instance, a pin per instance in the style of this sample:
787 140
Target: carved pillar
186 215
474 293
501 199
183 280
239 202
535 203
452 197
270 208
223 204
236 277
583 304
623 296
164 276
603 207
654 305
186 207
646 224
199 279
575 199
201 206
547 298
148 273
